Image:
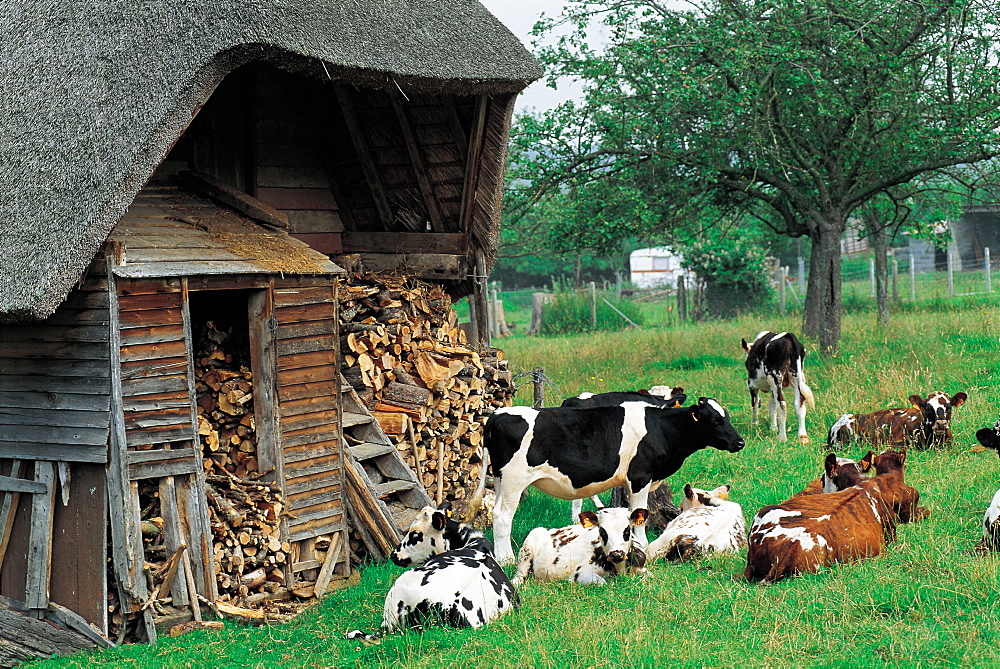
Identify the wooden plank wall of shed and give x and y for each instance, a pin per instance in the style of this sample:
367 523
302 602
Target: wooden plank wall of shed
308 392
55 405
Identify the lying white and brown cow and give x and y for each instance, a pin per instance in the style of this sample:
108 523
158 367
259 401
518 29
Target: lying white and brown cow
456 580
807 532
573 453
708 522
839 474
926 423
774 361
598 548
656 396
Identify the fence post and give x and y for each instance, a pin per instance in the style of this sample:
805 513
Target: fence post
538 383
494 316
986 263
681 300
782 280
895 282
802 276
913 279
871 276
951 272
593 306
618 285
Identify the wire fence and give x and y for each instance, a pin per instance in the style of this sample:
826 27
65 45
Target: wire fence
908 281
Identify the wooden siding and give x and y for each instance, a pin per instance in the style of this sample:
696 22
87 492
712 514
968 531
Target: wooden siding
156 399
308 392
55 388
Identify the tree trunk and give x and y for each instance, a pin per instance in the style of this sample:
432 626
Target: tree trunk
876 233
823 296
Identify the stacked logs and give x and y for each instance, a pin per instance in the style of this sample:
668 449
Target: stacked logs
431 392
224 386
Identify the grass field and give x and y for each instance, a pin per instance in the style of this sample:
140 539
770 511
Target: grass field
929 601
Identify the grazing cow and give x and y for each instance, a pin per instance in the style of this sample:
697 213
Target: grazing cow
839 474
459 582
708 522
774 361
657 396
573 453
598 548
926 423
807 532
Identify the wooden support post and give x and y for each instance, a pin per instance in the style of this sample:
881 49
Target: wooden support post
593 306
895 281
781 289
871 277
913 279
172 536
8 508
323 580
986 267
39 567
681 300
951 271
439 497
538 384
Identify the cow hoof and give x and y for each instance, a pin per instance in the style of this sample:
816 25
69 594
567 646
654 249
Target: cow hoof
803 439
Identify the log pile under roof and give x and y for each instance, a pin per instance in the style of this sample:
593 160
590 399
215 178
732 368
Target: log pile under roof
429 389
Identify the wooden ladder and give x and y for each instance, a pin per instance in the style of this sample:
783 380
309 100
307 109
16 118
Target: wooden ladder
383 491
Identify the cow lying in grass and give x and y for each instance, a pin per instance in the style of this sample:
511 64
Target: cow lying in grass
807 532
456 581
926 423
598 548
990 438
708 522
839 474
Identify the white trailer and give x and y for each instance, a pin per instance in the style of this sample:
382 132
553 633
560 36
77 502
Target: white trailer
656 267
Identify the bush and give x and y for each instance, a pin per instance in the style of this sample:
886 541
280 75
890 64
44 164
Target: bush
570 312
734 273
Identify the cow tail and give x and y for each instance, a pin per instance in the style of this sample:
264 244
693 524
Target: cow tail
804 390
476 501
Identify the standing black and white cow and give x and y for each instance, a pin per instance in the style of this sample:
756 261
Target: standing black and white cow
457 580
573 453
661 396
774 361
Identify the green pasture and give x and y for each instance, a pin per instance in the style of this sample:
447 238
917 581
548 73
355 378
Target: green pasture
931 600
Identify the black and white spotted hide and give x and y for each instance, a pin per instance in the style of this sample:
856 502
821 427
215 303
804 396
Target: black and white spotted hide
598 548
456 579
990 438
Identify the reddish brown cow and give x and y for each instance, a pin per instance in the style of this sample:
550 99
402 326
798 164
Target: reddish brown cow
838 474
926 423
807 532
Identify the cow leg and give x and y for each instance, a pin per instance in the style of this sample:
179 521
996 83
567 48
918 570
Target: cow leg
776 407
639 500
508 498
800 410
754 403
578 506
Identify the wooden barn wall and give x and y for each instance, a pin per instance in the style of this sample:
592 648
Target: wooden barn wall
156 386
308 393
292 160
55 406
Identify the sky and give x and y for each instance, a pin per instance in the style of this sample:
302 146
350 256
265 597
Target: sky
519 19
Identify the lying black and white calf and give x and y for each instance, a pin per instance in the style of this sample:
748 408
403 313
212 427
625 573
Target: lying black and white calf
596 549
455 580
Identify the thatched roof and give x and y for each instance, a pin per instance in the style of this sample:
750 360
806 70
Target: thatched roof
95 92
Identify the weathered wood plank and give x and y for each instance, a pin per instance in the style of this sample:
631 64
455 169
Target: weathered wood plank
53 368
9 484
142 420
306 312
284 297
55 333
52 434
144 369
31 416
321 402
297 422
154 385
147 318
49 400
206 254
52 384
309 467
159 469
327 479
453 243
160 454
421 265
49 350
312 344
311 451
193 268
159 435
147 286
310 498
302 360
40 538
147 301
317 528
53 452
148 335
243 203
305 329
155 351
264 369
282 197
156 402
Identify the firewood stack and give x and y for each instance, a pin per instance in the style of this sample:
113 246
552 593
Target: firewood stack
224 386
431 391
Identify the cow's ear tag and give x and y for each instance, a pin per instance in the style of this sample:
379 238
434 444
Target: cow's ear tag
588 519
695 417
724 494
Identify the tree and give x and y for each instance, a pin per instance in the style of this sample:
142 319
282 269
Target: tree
797 112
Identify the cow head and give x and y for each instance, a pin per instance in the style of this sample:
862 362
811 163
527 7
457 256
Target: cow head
936 410
842 473
711 422
615 530
696 497
889 461
675 396
431 532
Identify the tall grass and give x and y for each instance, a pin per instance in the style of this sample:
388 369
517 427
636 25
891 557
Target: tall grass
929 600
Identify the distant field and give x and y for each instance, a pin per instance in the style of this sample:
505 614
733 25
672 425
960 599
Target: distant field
930 600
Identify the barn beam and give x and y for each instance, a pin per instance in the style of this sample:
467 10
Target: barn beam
364 155
417 162
404 242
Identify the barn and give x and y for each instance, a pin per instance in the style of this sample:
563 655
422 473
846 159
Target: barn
180 175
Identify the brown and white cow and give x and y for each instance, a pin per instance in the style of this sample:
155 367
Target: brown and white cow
708 522
926 423
599 547
839 474
774 361
807 532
